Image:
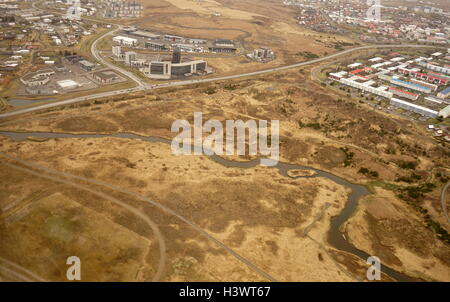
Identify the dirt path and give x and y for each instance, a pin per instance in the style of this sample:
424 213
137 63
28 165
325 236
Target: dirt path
153 226
138 196
19 272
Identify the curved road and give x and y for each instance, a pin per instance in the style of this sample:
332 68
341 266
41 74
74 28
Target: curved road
443 203
99 58
146 87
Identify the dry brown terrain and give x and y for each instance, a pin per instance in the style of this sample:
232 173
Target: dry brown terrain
252 23
256 212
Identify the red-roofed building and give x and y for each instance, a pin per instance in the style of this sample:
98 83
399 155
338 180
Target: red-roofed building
403 93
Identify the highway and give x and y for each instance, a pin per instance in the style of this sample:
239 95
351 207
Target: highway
141 86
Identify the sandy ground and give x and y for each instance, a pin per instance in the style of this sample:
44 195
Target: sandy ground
258 207
385 226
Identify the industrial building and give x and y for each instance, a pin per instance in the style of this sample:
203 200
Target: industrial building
68 84
156 46
86 65
444 93
435 67
433 87
404 80
222 45
414 108
105 77
445 113
430 77
410 85
381 91
144 34
125 41
38 78
406 94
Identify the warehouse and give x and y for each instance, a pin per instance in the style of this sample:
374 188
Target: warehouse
337 75
432 77
444 93
38 78
86 65
410 85
361 86
414 108
222 49
403 93
125 41
445 113
435 67
145 34
222 45
431 86
105 77
156 46
68 84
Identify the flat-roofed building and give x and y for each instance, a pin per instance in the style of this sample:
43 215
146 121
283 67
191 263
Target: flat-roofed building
130 56
444 93
105 76
165 70
160 70
125 40
86 65
445 113
155 46
37 78
410 85
145 34
414 108
117 51
406 94
68 84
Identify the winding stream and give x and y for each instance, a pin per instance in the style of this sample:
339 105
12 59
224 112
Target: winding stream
335 237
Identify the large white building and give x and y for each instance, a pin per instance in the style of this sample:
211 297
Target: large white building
166 69
125 40
130 56
445 112
381 91
38 78
117 51
68 84
413 107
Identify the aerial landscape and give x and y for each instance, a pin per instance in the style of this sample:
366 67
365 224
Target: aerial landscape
329 157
